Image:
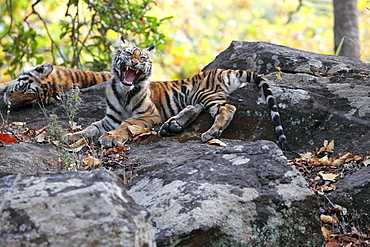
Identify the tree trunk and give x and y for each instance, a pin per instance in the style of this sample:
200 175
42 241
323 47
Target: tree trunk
346 28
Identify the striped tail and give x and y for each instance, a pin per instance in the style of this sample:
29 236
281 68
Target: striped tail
272 106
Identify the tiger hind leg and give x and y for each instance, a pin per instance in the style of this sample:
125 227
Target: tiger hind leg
176 124
223 115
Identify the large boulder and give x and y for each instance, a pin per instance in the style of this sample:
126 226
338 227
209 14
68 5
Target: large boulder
245 194
71 209
320 96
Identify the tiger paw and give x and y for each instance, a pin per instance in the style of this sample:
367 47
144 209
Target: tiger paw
170 127
112 138
72 136
89 132
209 135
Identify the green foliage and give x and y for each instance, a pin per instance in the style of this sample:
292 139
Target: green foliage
77 33
71 101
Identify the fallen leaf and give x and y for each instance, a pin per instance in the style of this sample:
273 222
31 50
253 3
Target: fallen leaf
329 219
19 123
137 130
327 234
278 76
330 146
333 243
74 125
343 210
91 161
367 162
40 137
216 142
6 139
328 176
339 161
76 146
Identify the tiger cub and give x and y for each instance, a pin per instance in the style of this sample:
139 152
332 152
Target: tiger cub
43 82
132 99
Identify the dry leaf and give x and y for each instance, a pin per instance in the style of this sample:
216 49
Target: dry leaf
216 142
327 234
278 76
328 176
340 161
40 137
77 146
6 139
327 188
137 130
42 129
91 161
19 123
307 155
330 146
329 219
74 125
341 209
367 162
315 161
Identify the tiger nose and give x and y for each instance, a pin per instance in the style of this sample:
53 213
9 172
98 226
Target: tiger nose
134 62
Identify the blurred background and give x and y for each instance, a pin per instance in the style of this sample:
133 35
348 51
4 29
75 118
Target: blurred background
187 34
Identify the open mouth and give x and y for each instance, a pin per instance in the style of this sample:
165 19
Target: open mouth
129 74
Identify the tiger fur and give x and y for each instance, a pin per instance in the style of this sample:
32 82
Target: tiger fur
132 99
43 82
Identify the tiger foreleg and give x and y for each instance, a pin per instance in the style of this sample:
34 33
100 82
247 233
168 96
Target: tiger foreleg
223 116
176 124
128 128
93 131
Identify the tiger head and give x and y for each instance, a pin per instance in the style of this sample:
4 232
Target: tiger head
28 83
131 65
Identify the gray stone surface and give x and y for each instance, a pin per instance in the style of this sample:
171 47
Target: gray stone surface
245 194
28 158
71 209
320 96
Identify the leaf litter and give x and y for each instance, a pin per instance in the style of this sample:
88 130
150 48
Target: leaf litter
322 172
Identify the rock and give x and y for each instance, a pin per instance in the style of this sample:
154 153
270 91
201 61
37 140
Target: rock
71 209
245 194
353 193
320 96
28 158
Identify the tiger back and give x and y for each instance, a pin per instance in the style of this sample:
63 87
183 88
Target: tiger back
43 82
132 99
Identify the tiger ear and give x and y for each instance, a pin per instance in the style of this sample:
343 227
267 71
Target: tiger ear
122 39
151 50
42 71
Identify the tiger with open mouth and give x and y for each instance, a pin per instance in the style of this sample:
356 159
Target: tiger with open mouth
132 99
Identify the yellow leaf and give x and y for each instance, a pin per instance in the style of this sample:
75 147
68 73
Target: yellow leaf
91 161
137 130
327 234
216 142
278 76
340 161
329 219
330 146
278 68
328 176
76 146
19 123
